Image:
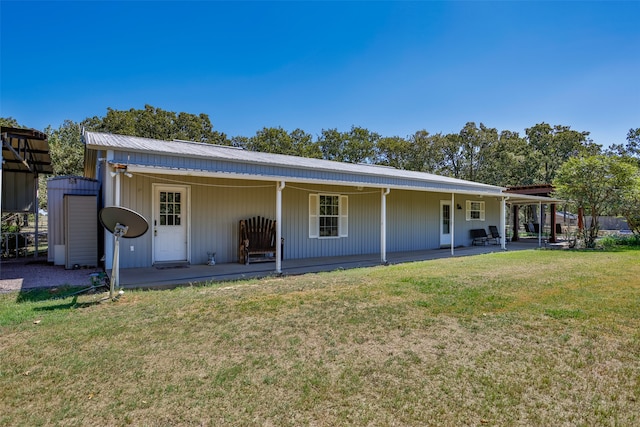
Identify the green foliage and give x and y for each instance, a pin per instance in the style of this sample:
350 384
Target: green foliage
66 149
597 184
616 241
356 146
278 141
156 123
9 122
480 340
552 146
630 150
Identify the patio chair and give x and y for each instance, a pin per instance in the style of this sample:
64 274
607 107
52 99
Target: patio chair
494 234
478 236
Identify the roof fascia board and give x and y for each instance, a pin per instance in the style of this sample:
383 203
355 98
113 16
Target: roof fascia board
524 199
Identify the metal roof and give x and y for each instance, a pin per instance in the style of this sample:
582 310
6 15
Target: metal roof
103 141
25 150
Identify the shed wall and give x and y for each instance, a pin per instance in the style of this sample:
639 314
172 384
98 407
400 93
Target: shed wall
56 189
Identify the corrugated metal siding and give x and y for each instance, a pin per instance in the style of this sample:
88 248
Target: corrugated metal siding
218 204
412 221
81 230
462 226
364 223
18 193
56 189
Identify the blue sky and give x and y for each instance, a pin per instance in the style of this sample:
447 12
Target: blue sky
391 67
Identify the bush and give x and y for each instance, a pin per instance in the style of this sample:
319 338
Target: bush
617 241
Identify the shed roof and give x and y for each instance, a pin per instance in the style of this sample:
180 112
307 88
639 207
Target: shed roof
273 162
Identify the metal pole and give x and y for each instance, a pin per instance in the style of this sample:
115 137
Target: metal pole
279 187
35 212
452 222
539 224
503 223
383 224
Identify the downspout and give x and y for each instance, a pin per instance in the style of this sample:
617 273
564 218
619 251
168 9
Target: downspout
383 224
279 187
452 222
117 178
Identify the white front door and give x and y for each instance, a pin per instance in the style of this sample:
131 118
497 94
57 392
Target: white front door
170 228
445 223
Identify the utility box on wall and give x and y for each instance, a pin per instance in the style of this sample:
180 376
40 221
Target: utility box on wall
72 205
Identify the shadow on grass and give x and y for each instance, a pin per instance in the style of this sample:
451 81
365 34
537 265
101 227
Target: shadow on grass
62 292
67 306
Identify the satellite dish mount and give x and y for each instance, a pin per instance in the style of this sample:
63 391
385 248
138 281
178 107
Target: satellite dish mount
121 222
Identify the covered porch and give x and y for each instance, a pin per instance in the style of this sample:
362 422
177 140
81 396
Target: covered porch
173 276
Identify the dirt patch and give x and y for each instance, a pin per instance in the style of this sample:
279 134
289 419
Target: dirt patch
32 273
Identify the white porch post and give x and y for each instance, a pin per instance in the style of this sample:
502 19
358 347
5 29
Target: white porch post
503 222
279 187
383 224
108 201
452 222
539 224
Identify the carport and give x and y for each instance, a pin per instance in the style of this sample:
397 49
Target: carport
24 157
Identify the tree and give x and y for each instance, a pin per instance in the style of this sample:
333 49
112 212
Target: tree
156 123
505 161
395 152
270 140
452 155
360 145
630 205
631 150
356 146
278 141
552 146
303 144
9 122
331 144
596 184
66 149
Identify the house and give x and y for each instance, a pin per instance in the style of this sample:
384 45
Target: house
193 195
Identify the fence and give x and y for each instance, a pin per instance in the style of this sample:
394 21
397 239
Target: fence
23 244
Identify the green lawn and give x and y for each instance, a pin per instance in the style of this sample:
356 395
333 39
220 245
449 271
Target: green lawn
516 338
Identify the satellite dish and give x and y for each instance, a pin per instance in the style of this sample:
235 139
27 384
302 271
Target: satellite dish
135 223
121 222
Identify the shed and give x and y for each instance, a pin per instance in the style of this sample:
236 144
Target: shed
73 204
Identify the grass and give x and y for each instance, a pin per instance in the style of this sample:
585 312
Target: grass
521 338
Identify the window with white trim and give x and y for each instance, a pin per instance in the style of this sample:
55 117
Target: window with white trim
328 215
475 210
